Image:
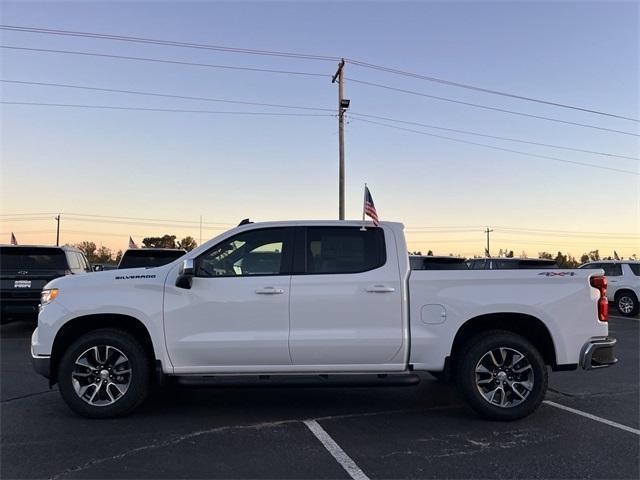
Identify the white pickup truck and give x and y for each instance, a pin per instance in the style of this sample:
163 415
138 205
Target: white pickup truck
300 300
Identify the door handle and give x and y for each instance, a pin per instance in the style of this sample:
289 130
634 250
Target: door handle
380 289
269 291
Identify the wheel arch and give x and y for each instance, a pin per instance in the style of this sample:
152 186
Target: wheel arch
78 326
623 290
530 327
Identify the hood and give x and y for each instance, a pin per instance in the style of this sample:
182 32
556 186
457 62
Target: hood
112 278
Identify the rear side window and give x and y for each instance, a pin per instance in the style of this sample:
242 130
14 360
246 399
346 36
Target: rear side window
635 268
612 269
32 258
344 249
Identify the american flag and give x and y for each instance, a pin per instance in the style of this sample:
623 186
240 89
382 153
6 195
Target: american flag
369 207
13 239
132 244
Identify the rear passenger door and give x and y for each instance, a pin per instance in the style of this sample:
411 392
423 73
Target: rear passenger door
346 298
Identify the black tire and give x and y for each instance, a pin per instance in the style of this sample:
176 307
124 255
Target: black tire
627 303
476 350
139 377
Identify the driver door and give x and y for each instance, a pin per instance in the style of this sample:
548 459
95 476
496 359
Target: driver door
236 313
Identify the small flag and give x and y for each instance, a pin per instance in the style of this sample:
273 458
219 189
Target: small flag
132 244
13 239
369 207
615 255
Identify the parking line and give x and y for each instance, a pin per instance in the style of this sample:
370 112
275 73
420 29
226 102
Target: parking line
593 417
336 452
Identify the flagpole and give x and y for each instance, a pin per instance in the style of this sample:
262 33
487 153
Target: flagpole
364 202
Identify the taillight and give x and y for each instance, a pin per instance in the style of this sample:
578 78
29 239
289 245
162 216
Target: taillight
600 282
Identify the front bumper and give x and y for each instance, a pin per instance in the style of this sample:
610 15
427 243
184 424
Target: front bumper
42 365
598 353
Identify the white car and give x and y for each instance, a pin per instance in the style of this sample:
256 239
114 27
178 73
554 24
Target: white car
624 283
309 298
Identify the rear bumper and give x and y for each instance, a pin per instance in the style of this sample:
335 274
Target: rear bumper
598 353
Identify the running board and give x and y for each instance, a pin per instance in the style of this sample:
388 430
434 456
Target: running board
344 380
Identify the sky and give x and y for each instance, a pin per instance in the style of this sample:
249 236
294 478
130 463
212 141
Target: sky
176 167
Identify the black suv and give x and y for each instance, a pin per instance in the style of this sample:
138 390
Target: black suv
149 257
25 270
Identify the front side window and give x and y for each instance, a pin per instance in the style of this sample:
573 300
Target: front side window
256 252
478 264
344 249
74 263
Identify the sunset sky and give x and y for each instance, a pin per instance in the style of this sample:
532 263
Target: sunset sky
113 173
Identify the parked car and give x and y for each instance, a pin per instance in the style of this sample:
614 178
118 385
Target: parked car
25 269
149 257
509 263
312 298
434 262
624 283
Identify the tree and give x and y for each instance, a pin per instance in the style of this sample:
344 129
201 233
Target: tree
417 252
594 255
118 256
103 255
188 243
166 241
584 258
510 254
430 253
545 255
89 250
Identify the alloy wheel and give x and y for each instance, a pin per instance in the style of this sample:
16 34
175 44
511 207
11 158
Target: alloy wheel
504 377
101 375
625 304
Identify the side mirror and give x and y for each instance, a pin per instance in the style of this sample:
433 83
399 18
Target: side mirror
98 268
185 274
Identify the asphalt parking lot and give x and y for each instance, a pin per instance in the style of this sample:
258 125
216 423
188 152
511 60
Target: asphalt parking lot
587 428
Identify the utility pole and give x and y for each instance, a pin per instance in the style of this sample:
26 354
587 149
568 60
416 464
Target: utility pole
343 104
200 230
488 231
58 231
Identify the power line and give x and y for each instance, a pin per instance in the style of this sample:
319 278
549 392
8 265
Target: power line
467 132
166 110
174 62
296 55
484 90
166 95
289 72
170 43
487 107
227 224
499 148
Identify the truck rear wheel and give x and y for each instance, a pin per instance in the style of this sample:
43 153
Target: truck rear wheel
105 373
502 375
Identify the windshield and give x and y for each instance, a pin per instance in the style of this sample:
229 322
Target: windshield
32 258
149 258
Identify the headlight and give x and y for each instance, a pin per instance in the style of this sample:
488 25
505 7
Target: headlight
48 295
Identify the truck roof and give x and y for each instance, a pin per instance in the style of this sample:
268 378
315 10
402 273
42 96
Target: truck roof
321 223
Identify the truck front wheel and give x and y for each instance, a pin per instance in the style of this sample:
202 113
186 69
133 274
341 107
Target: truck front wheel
502 375
104 373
